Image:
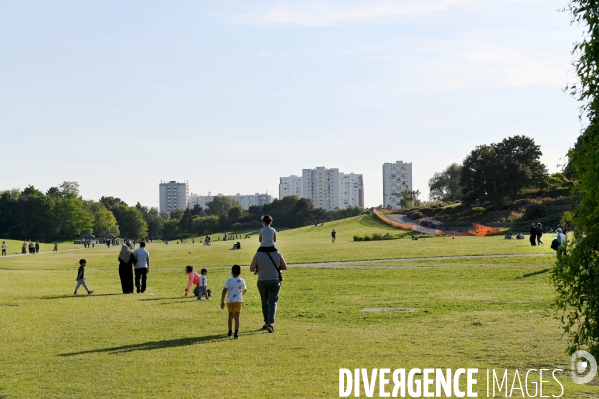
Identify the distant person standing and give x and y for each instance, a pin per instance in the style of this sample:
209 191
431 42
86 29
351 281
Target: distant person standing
561 237
333 235
37 247
539 234
55 247
4 248
533 235
142 267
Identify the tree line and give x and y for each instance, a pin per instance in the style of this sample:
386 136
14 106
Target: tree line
496 173
61 213
225 213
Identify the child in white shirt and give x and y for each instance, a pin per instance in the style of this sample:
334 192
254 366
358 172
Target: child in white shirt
236 288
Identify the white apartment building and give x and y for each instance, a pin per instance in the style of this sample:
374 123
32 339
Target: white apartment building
397 177
329 189
173 195
290 185
351 192
245 200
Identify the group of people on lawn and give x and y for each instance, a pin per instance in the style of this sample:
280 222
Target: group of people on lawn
536 233
267 264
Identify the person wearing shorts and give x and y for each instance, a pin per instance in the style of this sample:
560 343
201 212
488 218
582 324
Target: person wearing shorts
235 288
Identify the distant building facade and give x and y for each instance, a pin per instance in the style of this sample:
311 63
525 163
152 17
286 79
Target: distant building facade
330 189
397 177
351 192
173 195
245 200
290 185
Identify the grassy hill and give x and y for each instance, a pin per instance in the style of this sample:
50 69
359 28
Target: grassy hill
485 312
517 215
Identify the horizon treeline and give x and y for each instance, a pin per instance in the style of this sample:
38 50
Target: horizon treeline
61 213
498 173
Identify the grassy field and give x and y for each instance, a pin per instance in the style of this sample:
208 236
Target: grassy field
472 310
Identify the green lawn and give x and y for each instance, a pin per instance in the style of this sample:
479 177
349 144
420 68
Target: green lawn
485 312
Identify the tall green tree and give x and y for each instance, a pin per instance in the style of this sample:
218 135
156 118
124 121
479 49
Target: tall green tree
576 274
409 199
221 204
521 160
131 222
34 212
70 216
444 186
501 170
104 220
155 222
170 229
483 177
206 224
111 202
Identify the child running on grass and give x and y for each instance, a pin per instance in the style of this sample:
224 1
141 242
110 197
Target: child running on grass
203 287
81 277
236 288
193 278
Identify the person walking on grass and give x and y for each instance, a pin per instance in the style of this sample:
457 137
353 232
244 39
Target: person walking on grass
81 278
4 248
142 267
333 235
539 231
126 269
533 235
269 266
235 288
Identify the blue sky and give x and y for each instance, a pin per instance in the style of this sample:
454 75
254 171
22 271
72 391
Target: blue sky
232 95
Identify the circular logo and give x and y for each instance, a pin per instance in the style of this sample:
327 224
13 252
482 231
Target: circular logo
579 366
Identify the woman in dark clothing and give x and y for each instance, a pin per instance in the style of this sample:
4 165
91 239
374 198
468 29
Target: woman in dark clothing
533 235
539 234
126 269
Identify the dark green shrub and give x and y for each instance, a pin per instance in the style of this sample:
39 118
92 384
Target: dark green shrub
535 211
358 238
367 238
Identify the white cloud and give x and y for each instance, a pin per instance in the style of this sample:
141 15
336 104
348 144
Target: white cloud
411 65
315 13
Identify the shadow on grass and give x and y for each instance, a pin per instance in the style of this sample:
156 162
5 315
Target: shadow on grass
74 296
152 345
167 299
536 273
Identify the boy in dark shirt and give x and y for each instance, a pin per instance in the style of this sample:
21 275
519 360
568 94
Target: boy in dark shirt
81 277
